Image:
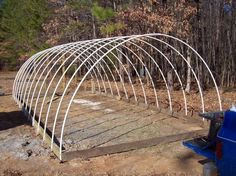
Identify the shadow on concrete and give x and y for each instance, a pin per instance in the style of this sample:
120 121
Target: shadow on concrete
12 119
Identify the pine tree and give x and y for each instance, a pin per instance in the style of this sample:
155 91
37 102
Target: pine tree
20 23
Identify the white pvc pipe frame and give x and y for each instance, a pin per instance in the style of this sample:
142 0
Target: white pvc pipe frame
91 54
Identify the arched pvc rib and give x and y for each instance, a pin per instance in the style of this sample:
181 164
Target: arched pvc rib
32 65
67 111
48 87
41 64
32 68
72 79
45 69
101 66
100 74
52 98
38 67
57 87
177 75
117 69
24 69
16 81
213 79
140 80
122 67
55 74
142 63
186 61
27 72
77 88
161 72
99 44
98 41
130 80
141 83
111 75
26 79
120 62
19 74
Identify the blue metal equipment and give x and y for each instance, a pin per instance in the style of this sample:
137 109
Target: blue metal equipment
220 144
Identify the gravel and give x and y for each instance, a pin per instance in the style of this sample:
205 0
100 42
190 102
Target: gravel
22 147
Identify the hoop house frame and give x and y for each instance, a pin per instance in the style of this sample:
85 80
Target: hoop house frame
100 61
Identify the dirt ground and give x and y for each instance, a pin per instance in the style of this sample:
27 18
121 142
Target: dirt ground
23 153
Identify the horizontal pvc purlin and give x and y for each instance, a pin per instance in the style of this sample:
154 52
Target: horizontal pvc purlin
102 59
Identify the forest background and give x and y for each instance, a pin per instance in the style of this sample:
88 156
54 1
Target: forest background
28 26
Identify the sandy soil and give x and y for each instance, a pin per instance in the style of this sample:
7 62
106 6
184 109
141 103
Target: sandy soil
23 153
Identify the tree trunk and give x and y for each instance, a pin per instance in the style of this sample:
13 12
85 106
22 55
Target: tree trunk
187 88
170 80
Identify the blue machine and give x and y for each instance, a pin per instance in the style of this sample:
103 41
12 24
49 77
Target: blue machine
220 144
